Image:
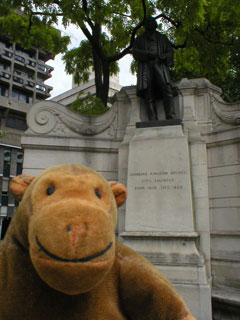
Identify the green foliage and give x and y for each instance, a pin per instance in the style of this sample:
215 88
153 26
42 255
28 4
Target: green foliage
2 133
40 34
89 105
209 32
206 33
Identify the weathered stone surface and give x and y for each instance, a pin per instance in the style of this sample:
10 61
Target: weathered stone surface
158 182
201 242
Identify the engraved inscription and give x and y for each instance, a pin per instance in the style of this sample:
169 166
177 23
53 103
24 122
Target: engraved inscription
158 180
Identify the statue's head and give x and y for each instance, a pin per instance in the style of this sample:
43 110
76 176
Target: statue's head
150 24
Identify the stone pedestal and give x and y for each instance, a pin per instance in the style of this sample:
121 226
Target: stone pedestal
159 218
159 186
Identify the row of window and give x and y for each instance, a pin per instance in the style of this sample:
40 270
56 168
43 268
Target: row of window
23 74
26 54
19 95
28 62
31 53
18 72
21 81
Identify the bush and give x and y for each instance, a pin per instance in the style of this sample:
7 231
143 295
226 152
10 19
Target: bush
89 105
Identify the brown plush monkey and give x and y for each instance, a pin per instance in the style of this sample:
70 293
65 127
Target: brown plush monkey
60 259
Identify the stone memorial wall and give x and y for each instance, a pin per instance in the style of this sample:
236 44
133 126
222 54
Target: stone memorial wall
183 209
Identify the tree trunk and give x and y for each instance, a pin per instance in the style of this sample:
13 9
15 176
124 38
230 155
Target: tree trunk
98 74
102 74
105 86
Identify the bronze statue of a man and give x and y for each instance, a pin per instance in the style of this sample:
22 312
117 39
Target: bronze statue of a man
154 54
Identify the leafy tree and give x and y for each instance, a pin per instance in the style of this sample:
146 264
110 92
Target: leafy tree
89 105
109 27
205 34
30 31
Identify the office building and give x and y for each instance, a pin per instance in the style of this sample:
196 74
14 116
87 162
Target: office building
22 82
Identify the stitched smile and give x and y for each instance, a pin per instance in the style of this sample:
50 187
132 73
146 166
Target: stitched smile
85 259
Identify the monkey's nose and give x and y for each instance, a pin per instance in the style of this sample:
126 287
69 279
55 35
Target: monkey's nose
76 231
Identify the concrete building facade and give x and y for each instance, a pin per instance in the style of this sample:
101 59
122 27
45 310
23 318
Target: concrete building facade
22 82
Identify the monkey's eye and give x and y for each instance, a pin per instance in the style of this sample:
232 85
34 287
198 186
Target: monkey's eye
50 190
98 193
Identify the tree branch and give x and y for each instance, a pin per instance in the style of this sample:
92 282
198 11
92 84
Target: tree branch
179 46
85 9
203 34
30 24
175 24
133 34
46 14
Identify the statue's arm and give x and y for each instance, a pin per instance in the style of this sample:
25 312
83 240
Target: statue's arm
169 52
145 293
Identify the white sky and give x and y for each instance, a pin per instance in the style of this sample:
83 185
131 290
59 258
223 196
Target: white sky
62 82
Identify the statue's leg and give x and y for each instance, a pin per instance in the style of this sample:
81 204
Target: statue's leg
166 90
150 105
168 102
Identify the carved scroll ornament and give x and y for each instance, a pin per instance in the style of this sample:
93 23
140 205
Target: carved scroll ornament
227 112
47 117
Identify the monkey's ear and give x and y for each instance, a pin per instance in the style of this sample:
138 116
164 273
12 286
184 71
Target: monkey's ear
19 184
119 191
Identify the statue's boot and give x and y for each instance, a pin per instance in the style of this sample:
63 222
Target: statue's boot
152 110
168 104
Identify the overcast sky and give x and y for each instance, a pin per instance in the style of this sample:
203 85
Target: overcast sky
62 82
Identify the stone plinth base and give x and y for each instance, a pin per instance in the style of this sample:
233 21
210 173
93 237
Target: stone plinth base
159 219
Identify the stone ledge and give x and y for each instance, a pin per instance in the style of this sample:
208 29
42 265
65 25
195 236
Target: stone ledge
173 259
226 295
225 234
157 234
158 123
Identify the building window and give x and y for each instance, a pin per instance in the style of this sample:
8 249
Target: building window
17 79
3 90
41 88
15 123
21 96
22 74
31 63
5 75
4 199
30 84
12 164
5 66
19 163
6 162
7 53
41 67
20 59
40 80
6 45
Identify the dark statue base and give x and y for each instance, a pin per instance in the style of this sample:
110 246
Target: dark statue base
158 123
